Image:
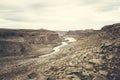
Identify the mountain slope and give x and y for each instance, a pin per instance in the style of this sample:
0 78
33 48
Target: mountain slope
22 42
94 57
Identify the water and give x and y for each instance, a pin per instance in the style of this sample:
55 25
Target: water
70 39
57 48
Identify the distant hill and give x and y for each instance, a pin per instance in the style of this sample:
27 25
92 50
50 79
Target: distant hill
17 42
80 33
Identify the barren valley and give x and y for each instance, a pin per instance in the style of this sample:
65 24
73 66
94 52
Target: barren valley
91 55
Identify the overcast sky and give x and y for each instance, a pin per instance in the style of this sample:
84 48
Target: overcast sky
58 14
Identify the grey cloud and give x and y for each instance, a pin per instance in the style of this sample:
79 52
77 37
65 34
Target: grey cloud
38 5
6 7
12 13
109 7
9 9
89 2
15 19
57 13
101 5
41 5
18 18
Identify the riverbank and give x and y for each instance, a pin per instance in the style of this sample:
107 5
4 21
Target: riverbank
56 49
94 57
81 60
24 65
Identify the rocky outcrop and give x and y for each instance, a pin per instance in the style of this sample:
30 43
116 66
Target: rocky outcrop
20 42
95 57
29 35
81 33
8 48
112 30
61 33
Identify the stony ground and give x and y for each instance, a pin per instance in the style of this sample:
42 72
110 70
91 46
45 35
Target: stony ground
91 58
95 57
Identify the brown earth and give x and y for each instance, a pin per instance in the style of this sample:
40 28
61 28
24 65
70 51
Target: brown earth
25 42
94 57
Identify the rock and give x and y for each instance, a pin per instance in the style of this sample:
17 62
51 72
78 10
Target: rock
73 56
110 56
8 48
88 66
88 61
72 77
85 73
96 61
73 63
103 72
114 29
32 75
99 77
22 42
80 33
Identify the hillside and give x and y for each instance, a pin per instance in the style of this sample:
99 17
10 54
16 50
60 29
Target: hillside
22 42
80 33
92 57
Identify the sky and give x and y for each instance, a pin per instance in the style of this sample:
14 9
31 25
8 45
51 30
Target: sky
58 14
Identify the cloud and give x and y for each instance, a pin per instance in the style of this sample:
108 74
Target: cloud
58 14
15 19
90 2
110 7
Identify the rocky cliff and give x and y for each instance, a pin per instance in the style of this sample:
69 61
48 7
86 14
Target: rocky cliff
112 30
80 33
19 42
94 57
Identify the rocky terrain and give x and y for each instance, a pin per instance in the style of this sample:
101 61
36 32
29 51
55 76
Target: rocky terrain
92 57
81 33
24 42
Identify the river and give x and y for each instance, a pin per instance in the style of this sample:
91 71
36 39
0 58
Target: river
64 43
